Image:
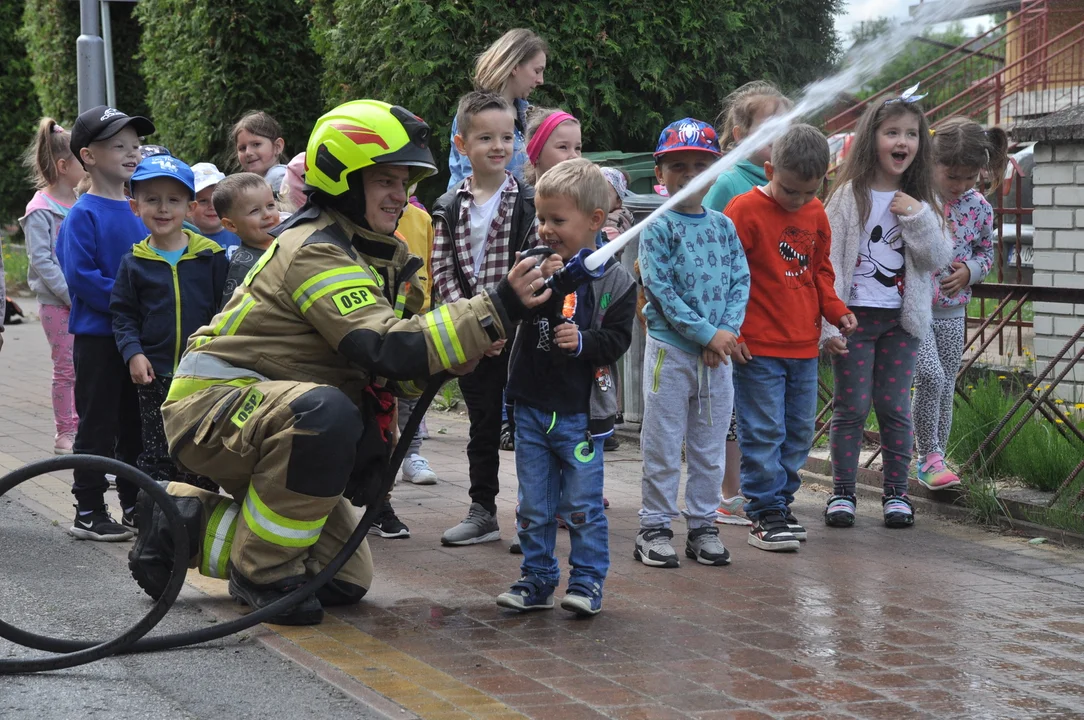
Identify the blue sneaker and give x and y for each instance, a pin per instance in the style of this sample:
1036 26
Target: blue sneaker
584 598
530 593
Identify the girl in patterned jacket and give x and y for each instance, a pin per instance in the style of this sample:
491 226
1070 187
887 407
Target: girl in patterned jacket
962 152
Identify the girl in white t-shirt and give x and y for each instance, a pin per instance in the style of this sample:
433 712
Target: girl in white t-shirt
887 239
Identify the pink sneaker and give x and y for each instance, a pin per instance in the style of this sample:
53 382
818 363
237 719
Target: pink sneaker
935 475
63 444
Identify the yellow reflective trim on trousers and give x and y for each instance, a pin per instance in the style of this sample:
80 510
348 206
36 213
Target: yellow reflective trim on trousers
218 539
450 334
438 343
229 323
277 529
182 386
336 279
658 370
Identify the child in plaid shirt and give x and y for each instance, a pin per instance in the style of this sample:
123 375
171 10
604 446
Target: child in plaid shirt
478 228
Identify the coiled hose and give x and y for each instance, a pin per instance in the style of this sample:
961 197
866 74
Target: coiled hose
70 653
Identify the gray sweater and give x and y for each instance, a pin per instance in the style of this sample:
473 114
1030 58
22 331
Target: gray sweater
927 247
40 227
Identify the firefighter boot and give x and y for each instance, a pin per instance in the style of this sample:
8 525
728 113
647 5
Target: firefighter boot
307 612
151 558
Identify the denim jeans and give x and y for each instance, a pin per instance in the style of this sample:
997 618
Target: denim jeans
559 473
777 405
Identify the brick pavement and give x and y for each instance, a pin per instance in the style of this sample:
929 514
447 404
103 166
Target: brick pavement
942 620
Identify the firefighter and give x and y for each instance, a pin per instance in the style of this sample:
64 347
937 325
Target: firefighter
285 398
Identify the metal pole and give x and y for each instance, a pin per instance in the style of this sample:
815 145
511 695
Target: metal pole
107 37
90 57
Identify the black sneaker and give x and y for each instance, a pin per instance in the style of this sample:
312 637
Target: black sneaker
98 525
508 437
388 524
898 510
246 592
771 533
515 548
611 443
130 519
795 527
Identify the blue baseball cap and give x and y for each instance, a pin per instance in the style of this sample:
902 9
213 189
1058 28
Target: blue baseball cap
165 166
688 134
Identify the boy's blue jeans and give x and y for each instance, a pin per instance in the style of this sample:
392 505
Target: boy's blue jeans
776 400
557 475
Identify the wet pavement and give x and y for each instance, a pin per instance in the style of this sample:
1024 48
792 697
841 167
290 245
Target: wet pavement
942 620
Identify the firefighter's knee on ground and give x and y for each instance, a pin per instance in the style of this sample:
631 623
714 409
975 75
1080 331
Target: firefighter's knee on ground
327 427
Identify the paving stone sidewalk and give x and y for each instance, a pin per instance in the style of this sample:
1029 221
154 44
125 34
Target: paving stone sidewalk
941 620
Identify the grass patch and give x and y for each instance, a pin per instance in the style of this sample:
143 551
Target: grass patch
1038 455
16 264
449 397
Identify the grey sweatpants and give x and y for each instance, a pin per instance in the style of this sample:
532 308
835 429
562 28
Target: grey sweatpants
683 400
406 407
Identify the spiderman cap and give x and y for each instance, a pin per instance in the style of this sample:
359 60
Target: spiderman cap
688 134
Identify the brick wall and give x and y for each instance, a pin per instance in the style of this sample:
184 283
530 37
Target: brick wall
1059 252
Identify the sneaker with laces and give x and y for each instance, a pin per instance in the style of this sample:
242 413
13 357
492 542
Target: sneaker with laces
795 527
704 546
529 593
840 511
732 512
898 510
63 444
479 526
772 532
935 475
388 524
99 526
584 598
653 548
129 518
416 471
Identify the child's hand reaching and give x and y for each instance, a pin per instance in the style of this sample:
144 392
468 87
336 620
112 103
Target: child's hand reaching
567 336
495 349
139 367
848 324
905 205
836 345
723 343
957 281
551 265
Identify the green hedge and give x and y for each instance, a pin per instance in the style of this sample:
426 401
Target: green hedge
207 61
625 69
18 118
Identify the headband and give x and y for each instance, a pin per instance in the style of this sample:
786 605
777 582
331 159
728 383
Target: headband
534 147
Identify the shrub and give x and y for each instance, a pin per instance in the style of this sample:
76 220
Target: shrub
206 62
624 69
50 29
18 118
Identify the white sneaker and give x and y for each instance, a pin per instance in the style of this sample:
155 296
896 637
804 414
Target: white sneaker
416 471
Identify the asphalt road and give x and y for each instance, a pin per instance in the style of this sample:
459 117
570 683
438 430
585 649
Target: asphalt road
52 583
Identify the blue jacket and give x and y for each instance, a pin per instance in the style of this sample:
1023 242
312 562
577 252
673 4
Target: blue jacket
459 165
695 276
157 306
97 233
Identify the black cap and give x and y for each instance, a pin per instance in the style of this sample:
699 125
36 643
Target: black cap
102 123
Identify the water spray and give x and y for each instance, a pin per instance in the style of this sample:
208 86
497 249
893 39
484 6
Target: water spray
582 268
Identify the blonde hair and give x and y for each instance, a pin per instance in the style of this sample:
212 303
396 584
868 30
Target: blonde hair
535 117
493 67
50 144
741 107
578 179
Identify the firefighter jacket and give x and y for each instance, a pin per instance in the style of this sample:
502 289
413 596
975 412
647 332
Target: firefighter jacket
332 303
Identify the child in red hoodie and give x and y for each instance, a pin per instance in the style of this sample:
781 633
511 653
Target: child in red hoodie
786 236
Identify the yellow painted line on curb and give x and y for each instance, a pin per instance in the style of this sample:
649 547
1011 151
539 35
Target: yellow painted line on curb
415 685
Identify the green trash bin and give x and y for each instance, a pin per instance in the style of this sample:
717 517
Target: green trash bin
639 166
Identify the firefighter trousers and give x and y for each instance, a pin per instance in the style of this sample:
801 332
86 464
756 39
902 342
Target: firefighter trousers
284 452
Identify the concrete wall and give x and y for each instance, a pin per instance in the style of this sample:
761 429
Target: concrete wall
1059 252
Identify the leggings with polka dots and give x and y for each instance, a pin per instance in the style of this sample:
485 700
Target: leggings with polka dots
877 371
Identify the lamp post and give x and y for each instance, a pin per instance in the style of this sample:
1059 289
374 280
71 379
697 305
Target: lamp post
90 57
